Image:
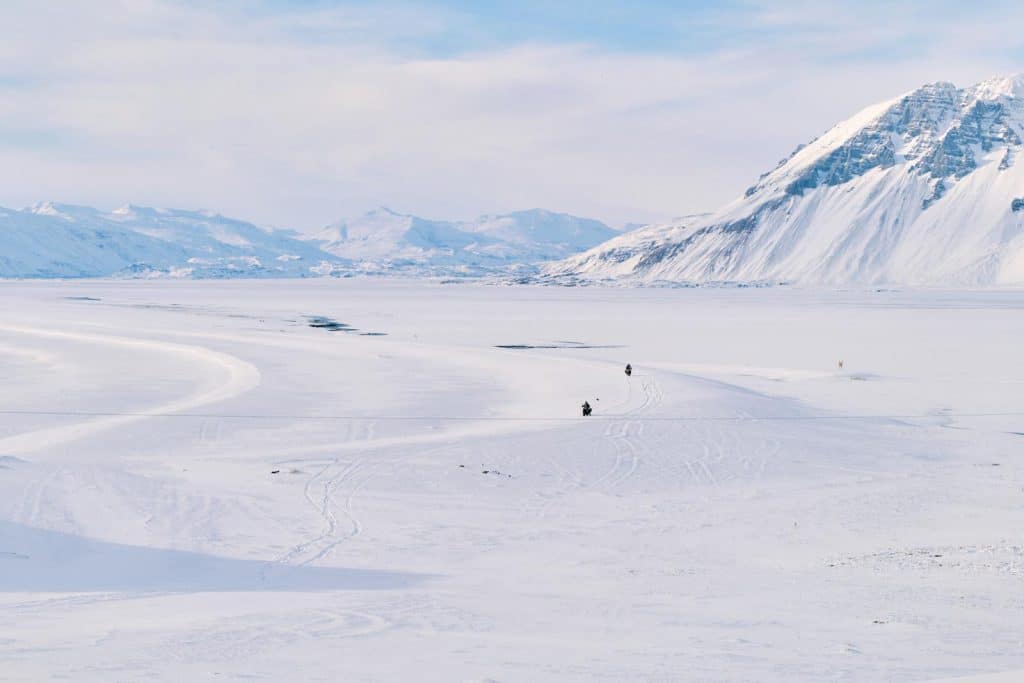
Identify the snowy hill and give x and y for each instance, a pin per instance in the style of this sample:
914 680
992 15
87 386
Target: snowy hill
386 241
925 189
543 235
43 242
59 240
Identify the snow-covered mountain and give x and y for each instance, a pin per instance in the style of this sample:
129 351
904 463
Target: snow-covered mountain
59 240
386 241
543 235
925 189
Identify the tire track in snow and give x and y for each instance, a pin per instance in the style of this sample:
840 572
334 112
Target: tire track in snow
323 504
625 437
350 480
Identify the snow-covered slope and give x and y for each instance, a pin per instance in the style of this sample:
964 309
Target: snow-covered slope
58 240
42 242
542 235
386 241
925 189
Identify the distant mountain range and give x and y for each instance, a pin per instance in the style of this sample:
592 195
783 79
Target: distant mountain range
924 189
389 242
58 240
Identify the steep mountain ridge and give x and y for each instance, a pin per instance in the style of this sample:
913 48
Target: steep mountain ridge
919 190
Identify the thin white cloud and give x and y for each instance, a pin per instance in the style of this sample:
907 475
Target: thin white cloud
298 119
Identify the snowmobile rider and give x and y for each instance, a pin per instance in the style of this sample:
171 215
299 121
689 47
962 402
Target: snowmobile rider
587 409
629 370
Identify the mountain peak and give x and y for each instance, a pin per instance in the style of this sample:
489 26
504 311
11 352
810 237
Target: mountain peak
135 211
46 208
545 213
385 211
1002 86
60 210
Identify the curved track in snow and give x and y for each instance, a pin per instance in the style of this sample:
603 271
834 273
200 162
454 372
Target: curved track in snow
240 377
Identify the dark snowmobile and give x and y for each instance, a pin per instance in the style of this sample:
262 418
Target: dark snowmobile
587 410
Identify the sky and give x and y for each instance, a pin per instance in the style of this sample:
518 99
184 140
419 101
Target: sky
297 114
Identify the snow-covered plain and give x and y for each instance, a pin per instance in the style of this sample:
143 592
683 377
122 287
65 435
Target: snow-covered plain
740 509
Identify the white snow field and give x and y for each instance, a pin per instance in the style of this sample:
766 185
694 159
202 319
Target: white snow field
741 509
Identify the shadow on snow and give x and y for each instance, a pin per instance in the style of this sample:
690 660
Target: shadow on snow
38 560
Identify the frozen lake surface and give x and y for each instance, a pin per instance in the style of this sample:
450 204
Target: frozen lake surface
368 480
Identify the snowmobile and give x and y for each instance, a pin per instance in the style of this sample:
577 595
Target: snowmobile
587 410
629 370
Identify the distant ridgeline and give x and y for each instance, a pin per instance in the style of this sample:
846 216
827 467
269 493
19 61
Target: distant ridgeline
63 241
384 241
55 240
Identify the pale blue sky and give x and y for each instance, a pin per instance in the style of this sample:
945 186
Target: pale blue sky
640 26
684 27
299 113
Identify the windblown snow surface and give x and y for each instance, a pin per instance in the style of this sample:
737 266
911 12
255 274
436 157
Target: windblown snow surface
347 480
926 189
